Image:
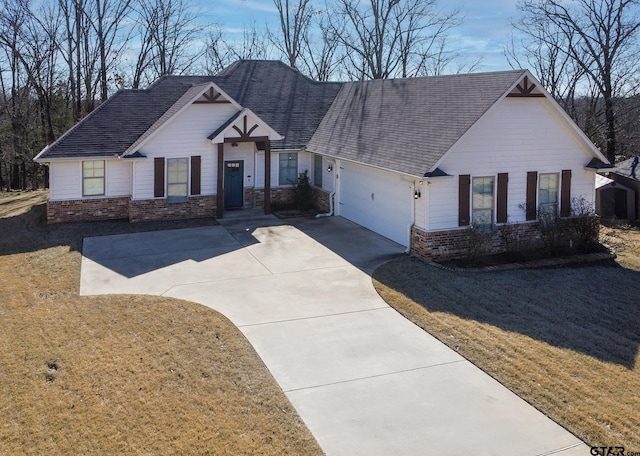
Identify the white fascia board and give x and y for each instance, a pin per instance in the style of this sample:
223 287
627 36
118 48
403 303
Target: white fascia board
160 123
389 170
586 141
70 159
273 135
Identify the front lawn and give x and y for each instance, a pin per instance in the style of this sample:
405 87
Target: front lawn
566 340
121 374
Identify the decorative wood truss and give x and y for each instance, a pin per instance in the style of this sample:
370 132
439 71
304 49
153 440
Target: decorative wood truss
211 96
245 134
525 89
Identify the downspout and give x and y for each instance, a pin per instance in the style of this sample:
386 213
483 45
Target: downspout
413 215
330 213
331 195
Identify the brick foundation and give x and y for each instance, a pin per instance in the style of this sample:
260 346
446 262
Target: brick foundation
160 209
280 195
88 209
321 199
456 243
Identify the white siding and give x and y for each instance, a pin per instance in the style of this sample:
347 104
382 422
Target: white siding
328 178
184 136
118 178
516 136
65 180
305 163
420 205
260 169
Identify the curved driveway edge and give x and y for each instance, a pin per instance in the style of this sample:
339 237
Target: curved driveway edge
363 378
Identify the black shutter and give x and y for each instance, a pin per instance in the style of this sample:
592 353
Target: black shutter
464 186
565 194
532 193
501 203
195 174
158 177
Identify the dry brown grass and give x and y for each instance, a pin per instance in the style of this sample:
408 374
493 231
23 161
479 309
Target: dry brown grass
566 340
625 241
121 374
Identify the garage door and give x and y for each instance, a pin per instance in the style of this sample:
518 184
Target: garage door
377 200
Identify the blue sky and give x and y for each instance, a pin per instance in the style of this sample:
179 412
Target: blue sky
484 32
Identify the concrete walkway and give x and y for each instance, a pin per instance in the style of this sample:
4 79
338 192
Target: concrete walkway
365 380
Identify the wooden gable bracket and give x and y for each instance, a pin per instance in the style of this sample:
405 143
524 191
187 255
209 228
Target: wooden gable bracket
211 96
245 135
525 89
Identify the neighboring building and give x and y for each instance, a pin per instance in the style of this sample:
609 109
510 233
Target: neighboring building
415 159
621 198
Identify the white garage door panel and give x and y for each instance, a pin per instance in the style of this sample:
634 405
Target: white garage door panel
377 200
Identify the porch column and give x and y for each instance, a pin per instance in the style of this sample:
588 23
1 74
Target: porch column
267 176
220 187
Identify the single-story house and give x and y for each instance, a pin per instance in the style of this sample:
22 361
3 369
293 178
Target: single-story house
417 160
621 198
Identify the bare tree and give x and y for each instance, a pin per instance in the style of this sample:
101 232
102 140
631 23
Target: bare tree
222 51
321 55
295 20
169 34
387 38
599 37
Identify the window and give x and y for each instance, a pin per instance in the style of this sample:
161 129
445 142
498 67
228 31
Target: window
288 168
93 178
548 194
483 202
317 170
177 179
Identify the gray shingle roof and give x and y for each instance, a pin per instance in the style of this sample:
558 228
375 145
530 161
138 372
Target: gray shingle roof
629 168
407 125
404 124
288 101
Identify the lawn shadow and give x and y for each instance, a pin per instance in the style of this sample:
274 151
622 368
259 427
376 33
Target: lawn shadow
592 309
29 232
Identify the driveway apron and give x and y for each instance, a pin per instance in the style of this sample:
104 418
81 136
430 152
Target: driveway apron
364 379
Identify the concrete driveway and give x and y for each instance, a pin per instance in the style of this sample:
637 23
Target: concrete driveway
364 379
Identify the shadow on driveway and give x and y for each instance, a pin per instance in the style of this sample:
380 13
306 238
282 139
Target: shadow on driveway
592 309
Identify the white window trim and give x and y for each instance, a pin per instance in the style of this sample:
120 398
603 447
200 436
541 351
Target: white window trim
558 189
296 170
493 200
104 179
180 199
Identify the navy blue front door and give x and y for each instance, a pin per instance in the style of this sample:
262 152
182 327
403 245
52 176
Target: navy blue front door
233 183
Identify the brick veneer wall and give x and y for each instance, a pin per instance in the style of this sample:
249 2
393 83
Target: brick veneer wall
448 244
321 199
161 209
88 209
279 195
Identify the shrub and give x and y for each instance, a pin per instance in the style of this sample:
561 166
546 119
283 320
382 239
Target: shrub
303 193
585 224
474 242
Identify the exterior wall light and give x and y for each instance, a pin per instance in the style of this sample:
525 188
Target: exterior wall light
330 168
416 194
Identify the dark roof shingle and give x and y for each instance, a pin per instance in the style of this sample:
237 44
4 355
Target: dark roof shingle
407 125
288 101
